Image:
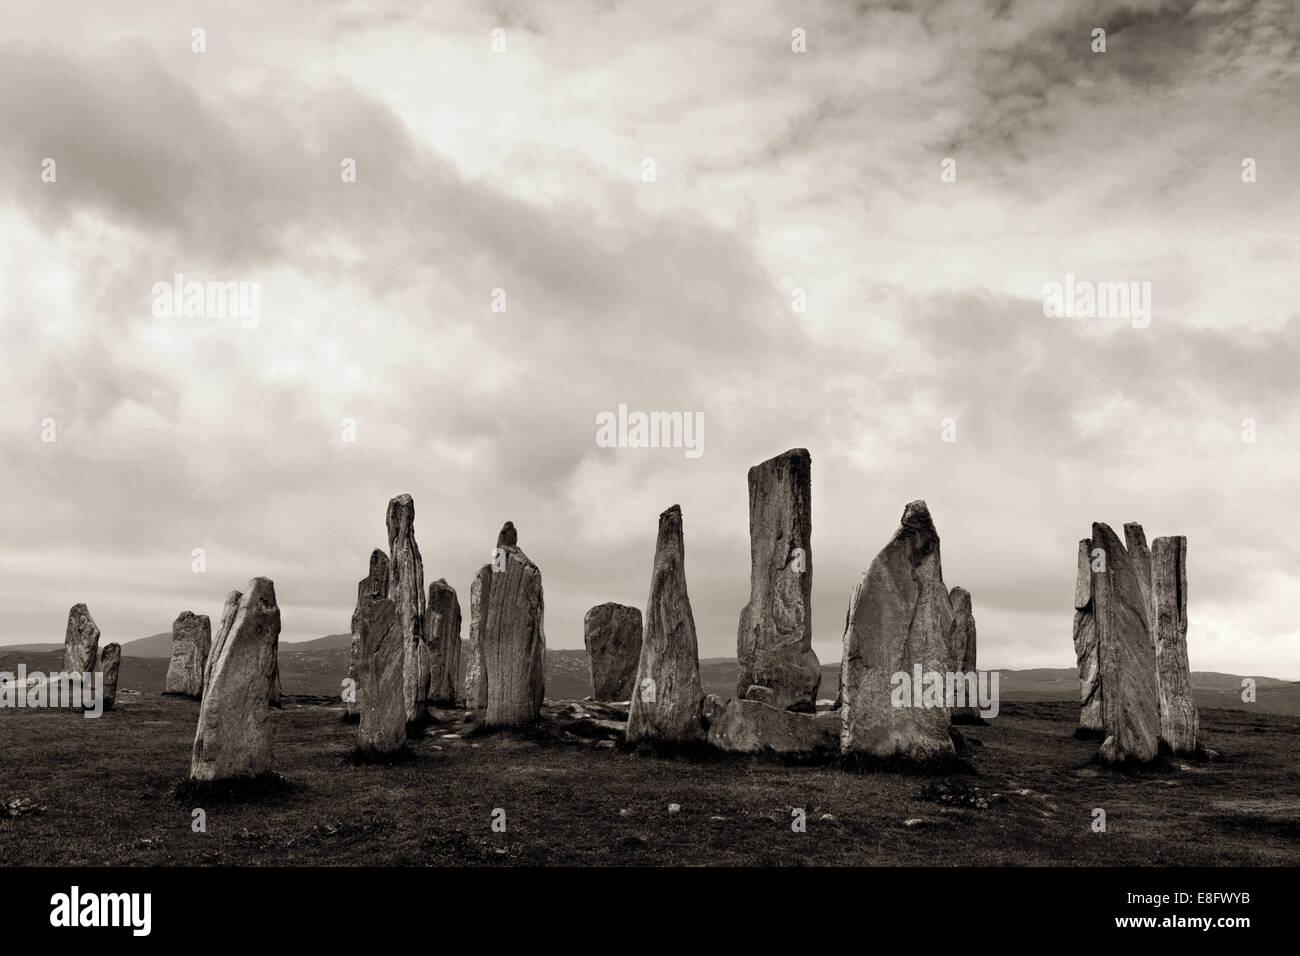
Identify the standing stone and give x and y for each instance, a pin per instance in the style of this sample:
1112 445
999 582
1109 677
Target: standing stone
476 683
962 650
381 662
612 634
900 618
513 640
1135 542
1130 713
228 612
442 638
234 733
110 662
80 642
774 639
407 591
191 642
378 579
1179 721
667 697
276 699
1085 643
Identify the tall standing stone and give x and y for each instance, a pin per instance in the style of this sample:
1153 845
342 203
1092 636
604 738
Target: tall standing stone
378 579
191 642
407 592
1130 716
1085 643
80 642
1179 721
381 663
774 639
442 638
476 683
513 637
234 733
110 662
612 635
900 618
228 612
962 648
1135 542
666 699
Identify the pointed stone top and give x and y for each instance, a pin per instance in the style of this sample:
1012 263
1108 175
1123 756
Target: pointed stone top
1104 537
400 519
1135 539
79 609
959 597
508 536
917 515
669 513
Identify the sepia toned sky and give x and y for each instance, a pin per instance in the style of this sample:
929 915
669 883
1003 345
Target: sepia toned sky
522 170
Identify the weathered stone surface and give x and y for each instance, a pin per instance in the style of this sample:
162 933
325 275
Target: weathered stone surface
774 639
900 616
406 588
442 639
612 635
514 638
378 580
480 593
110 662
234 732
276 697
764 695
1130 717
711 707
381 662
750 726
228 612
961 645
1135 543
80 642
1179 720
1085 643
191 642
666 699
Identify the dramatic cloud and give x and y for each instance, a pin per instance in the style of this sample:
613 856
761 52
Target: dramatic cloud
776 174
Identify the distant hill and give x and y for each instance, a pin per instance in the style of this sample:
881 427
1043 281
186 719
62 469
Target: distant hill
317 667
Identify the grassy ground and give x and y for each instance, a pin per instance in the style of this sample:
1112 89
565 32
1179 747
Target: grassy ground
109 789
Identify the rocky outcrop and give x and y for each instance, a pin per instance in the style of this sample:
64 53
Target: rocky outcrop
612 635
666 699
480 593
513 637
900 617
234 732
442 640
191 642
110 662
80 642
1130 715
962 649
1085 643
748 726
1179 721
406 588
381 662
774 639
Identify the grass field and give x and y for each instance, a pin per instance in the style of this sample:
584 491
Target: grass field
109 792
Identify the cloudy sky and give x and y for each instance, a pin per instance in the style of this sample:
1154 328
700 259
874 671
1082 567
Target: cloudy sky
523 170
